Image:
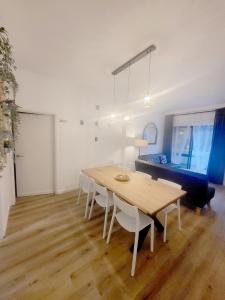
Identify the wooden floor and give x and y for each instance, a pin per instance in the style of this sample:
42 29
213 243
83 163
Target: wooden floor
51 252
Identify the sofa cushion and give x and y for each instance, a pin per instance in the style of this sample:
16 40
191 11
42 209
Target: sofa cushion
152 157
163 159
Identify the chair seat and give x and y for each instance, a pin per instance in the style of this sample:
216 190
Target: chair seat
102 201
129 223
169 208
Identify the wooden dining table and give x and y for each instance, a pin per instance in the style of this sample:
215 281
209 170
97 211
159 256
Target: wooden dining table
150 196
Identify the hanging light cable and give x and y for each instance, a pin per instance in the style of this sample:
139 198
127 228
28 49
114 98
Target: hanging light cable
114 97
128 84
147 98
127 118
114 89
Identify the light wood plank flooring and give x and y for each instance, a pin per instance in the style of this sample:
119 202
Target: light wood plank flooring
52 252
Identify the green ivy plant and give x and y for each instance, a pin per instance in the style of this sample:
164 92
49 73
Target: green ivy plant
7 64
8 107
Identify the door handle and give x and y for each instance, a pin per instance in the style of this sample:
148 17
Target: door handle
18 156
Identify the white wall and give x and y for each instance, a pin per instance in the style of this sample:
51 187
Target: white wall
75 144
7 193
134 129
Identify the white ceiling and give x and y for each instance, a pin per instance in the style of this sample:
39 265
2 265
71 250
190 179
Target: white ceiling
82 41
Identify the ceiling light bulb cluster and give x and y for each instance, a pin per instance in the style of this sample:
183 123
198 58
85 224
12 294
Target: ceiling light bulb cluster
147 101
126 118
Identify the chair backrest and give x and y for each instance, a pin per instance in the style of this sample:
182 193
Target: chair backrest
128 209
170 183
102 190
86 183
144 174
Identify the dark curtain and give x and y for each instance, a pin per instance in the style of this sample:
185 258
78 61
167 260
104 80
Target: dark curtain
216 165
167 139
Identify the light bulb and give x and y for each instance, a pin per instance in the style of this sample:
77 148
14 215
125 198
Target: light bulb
147 101
112 116
126 118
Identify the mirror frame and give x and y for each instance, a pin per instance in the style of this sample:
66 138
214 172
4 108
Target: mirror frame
151 124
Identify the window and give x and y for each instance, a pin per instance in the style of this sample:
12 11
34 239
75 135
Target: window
192 140
191 147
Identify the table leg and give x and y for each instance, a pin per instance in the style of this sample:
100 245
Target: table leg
143 233
158 224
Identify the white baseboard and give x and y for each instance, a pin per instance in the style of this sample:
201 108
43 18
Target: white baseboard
60 191
2 234
4 225
36 193
66 190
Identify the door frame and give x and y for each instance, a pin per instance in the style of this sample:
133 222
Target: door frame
53 120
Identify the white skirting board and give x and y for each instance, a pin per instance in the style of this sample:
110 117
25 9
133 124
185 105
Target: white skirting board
36 193
65 190
7 193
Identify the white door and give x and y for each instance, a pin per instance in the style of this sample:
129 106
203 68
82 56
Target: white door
34 155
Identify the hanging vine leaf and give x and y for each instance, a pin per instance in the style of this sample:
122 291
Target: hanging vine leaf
9 116
7 63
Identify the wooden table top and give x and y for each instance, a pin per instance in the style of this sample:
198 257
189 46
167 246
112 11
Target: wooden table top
149 196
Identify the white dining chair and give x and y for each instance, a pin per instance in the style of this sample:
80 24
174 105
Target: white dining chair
133 220
86 185
104 199
171 207
148 176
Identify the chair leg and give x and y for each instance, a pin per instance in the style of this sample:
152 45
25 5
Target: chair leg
134 253
105 222
92 204
78 199
87 204
111 225
152 237
165 227
208 204
178 213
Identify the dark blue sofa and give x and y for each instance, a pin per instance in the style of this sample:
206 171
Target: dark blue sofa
196 185
156 158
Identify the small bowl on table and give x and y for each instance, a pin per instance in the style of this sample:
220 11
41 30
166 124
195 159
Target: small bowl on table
122 177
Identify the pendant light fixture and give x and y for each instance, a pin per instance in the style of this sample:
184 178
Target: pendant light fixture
147 98
127 117
133 60
113 115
